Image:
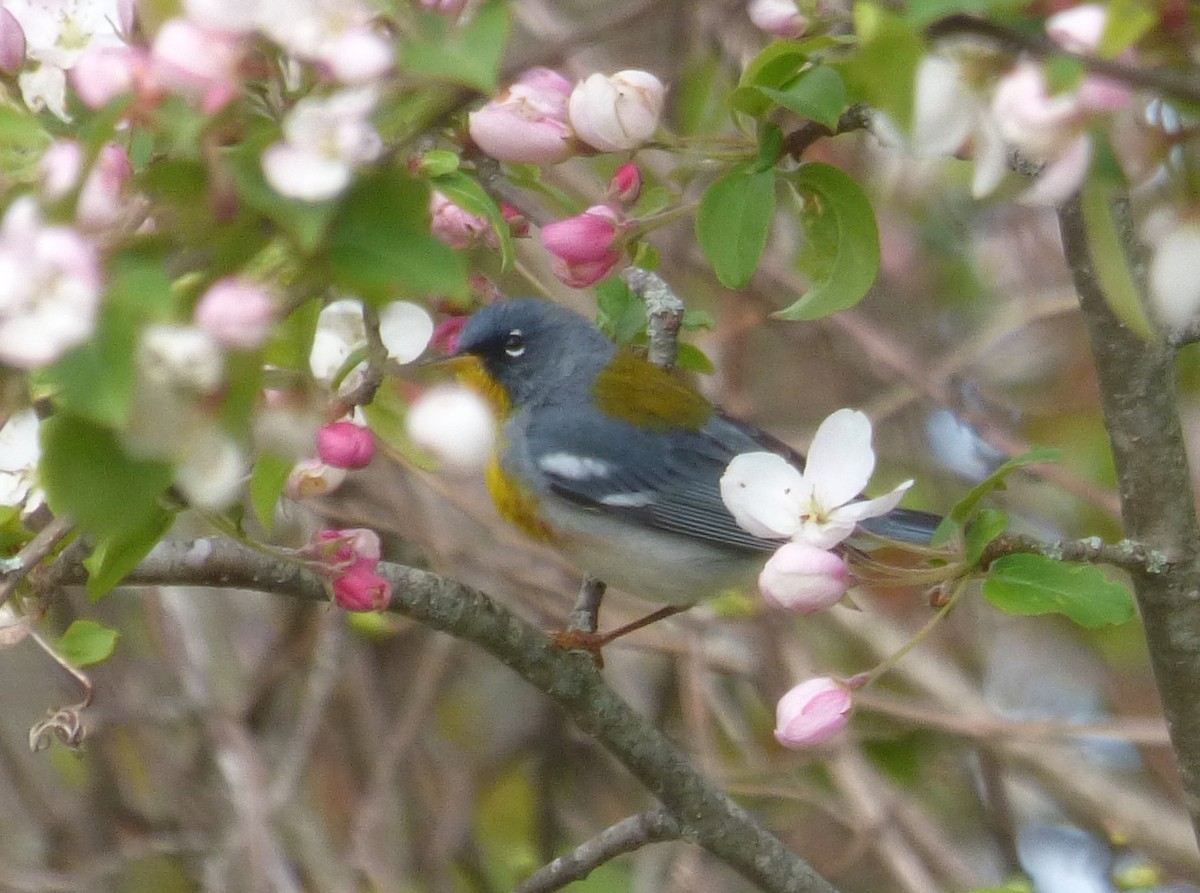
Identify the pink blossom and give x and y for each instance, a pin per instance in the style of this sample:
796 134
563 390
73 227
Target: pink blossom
198 62
451 9
779 18
346 445
360 589
527 123
338 36
346 547
455 226
584 273
803 578
103 202
812 712
446 334
584 238
618 112
237 313
60 167
50 288
104 73
12 42
625 186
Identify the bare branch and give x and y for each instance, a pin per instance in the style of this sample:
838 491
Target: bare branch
1127 554
625 836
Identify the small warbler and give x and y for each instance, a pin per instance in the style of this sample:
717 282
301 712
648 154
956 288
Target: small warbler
616 462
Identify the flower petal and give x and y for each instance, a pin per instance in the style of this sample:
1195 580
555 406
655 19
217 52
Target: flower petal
761 491
870 508
840 460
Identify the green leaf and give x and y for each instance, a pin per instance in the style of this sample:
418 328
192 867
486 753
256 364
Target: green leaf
1034 584
23 141
967 506
988 525
266 485
841 251
1126 22
690 358
883 71
88 476
770 146
380 242
469 195
439 162
773 67
924 12
818 94
469 55
117 554
1109 259
622 313
292 340
734 221
87 642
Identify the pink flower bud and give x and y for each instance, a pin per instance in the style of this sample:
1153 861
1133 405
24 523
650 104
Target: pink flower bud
345 547
446 335
802 578
1079 28
346 445
584 273
584 238
616 113
527 123
102 200
60 167
779 18
812 712
518 223
12 43
312 478
451 9
626 184
361 589
237 313
453 225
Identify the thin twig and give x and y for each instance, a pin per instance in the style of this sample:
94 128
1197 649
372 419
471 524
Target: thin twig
625 836
34 552
664 310
800 140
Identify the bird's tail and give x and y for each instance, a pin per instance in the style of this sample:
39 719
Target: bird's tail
905 525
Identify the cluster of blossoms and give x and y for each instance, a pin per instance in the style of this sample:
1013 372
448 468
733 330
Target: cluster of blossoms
815 511
349 560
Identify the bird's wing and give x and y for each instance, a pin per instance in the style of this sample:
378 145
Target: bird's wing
668 481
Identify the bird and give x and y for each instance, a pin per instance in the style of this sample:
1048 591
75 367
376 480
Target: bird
616 462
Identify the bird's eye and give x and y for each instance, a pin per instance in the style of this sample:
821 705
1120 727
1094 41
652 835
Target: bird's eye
514 344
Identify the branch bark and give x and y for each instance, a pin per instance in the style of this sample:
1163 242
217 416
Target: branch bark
1138 397
707 817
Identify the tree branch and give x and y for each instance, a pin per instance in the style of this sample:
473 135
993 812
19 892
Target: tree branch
1129 555
707 816
1138 396
625 836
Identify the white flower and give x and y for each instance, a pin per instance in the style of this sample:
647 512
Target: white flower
1174 285
50 287
19 455
210 468
949 116
176 356
57 33
335 34
616 113
455 424
404 328
325 140
770 498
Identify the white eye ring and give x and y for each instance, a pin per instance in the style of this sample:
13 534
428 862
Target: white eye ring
514 344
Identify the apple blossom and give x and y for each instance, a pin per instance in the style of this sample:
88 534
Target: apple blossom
351 558
311 478
104 73
336 35
59 168
618 112
812 712
590 236
1174 285
50 288
346 445
780 18
197 62
527 123
949 116
345 547
405 329
20 451
57 34
12 42
325 140
176 356
582 274
236 313
455 424
770 498
803 578
102 202
455 226
210 468
361 589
